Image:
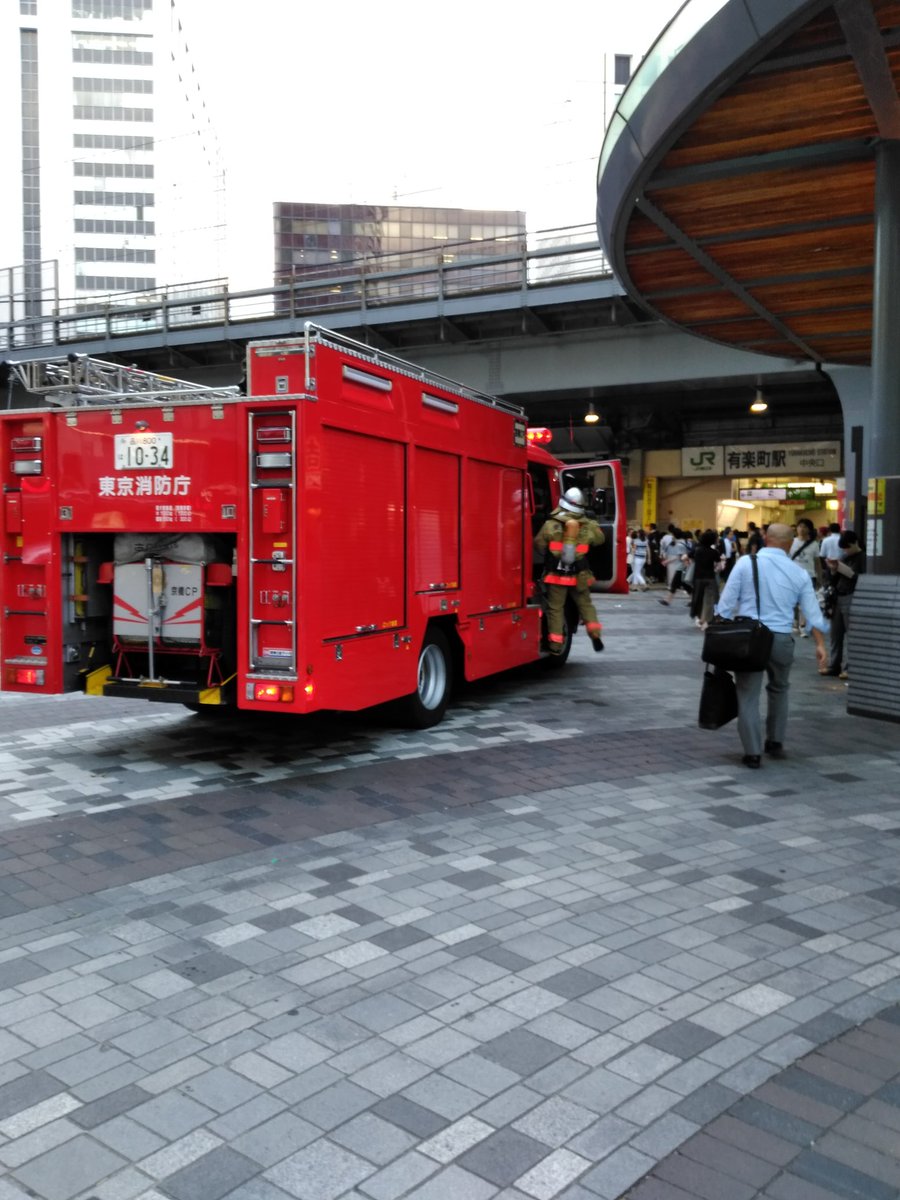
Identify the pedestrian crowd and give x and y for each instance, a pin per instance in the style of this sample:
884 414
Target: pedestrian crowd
795 580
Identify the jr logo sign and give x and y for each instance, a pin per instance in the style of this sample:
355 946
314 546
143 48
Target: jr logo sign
702 460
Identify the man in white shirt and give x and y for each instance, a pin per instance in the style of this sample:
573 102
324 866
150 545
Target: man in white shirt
829 547
782 586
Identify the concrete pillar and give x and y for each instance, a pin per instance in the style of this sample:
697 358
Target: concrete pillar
854 388
883 457
874 633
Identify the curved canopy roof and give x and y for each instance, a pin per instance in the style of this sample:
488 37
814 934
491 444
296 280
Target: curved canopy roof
737 178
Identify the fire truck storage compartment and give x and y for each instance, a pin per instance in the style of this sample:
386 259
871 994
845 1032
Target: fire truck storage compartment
361 578
188 612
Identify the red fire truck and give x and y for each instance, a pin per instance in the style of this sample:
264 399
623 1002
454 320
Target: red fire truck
350 531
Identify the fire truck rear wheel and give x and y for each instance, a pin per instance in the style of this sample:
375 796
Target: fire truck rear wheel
428 703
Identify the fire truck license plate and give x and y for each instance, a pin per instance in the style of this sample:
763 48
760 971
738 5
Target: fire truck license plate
136 451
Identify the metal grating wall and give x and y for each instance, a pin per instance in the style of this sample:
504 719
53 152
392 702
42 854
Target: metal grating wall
873 653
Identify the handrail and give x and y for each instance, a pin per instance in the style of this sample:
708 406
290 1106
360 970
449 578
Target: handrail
547 257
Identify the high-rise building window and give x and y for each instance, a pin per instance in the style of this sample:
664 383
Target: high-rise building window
123 254
115 170
125 199
83 225
97 91
31 170
108 10
28 8
94 112
131 49
115 283
621 69
113 141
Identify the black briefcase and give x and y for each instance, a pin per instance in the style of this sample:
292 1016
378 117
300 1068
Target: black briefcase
744 644
739 645
718 699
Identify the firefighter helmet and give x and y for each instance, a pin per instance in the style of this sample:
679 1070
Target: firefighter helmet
573 501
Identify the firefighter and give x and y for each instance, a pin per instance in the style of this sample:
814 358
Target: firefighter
564 540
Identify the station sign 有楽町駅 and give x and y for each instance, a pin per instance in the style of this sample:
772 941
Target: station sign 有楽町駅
768 458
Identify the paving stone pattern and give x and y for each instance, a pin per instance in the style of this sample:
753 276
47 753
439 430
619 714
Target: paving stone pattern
562 946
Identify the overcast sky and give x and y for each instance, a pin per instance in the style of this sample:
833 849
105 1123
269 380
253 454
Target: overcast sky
478 104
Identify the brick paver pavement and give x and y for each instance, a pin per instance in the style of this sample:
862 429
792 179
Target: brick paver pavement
563 947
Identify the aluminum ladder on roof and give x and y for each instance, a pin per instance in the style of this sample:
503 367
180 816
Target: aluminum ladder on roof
78 379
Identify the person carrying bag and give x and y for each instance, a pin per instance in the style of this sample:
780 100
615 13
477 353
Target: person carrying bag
741 644
761 593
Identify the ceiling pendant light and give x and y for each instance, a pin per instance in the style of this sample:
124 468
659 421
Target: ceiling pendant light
591 417
759 404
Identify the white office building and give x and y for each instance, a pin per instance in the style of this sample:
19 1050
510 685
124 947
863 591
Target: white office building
122 184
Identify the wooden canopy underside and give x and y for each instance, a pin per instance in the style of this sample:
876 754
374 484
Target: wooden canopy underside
756 227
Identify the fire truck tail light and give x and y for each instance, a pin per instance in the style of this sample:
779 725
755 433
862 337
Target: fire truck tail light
27 466
275 693
34 676
19 445
273 433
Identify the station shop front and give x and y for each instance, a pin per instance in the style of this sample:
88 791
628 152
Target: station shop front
709 487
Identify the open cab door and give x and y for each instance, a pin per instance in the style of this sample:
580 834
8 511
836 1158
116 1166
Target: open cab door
604 487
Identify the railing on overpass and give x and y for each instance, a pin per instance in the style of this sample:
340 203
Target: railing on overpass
544 259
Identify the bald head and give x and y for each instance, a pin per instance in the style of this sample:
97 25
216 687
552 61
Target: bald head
779 536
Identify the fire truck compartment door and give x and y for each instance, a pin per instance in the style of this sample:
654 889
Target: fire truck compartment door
180 603
598 482
361 561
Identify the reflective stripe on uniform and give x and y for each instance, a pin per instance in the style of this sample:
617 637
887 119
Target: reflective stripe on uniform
555 637
556 547
564 580
582 549
589 625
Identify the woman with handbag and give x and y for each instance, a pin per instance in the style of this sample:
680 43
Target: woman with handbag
768 595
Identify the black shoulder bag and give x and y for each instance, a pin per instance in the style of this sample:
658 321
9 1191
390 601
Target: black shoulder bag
743 644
